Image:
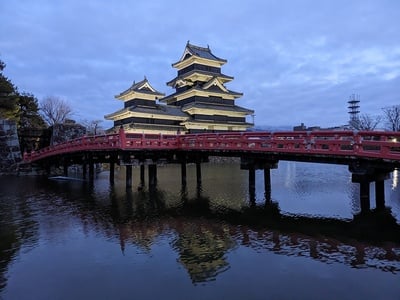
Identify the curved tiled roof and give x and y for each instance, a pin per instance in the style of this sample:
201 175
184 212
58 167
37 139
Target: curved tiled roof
203 52
213 74
142 86
217 107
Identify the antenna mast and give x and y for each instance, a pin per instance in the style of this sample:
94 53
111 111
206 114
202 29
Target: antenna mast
354 107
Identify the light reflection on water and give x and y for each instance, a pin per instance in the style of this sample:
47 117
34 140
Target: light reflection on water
181 240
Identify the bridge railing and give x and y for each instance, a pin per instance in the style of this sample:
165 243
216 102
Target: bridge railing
373 144
115 141
150 141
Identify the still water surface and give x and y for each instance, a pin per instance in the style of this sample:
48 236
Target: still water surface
75 240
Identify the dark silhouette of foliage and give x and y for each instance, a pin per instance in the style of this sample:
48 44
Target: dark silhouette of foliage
365 122
8 97
55 110
392 117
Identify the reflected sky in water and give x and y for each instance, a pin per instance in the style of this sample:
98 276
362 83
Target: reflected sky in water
72 239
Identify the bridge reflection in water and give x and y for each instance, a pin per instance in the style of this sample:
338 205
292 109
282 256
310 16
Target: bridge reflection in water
204 226
368 242
207 229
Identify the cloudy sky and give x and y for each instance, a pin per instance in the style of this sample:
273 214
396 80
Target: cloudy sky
294 60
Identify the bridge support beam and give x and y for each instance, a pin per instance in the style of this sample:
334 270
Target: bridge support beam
142 181
380 194
198 173
365 204
364 175
84 170
65 167
252 184
267 184
152 175
91 170
112 171
252 164
128 177
183 173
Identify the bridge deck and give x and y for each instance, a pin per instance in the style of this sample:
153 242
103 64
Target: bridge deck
331 146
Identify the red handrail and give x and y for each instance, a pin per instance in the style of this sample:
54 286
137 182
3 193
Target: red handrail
363 144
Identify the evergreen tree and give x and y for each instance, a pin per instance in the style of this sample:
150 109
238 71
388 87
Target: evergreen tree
20 107
8 97
29 116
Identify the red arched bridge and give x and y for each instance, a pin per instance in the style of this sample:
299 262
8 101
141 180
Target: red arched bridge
378 146
370 155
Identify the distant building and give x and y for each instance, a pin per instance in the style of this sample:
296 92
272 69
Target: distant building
200 103
300 127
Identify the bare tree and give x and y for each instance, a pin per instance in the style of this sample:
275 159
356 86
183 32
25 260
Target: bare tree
392 117
55 110
365 122
93 127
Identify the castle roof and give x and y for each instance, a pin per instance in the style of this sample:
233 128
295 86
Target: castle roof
209 88
163 110
203 105
202 72
201 52
143 87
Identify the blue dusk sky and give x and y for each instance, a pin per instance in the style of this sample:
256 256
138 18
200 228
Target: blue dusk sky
295 61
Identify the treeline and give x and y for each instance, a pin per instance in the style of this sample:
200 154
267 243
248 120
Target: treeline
21 107
390 120
35 121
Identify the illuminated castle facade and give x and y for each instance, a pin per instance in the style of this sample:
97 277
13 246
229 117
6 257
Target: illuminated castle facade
200 103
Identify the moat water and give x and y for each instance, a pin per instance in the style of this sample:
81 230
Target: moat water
77 240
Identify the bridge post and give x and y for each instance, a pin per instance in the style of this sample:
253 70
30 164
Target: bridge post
252 184
267 183
183 173
84 167
112 170
364 196
142 175
152 175
198 173
128 177
380 194
65 167
364 175
122 137
91 169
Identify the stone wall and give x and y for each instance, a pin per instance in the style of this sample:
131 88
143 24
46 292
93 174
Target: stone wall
10 154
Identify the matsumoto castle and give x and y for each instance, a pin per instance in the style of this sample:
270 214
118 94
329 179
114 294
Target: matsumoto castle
200 103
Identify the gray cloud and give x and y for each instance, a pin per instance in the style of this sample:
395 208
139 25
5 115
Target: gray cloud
295 61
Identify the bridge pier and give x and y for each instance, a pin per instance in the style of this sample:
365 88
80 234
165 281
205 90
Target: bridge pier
84 170
183 173
65 167
128 177
152 175
112 171
365 203
142 182
267 184
91 169
252 184
380 194
364 175
253 164
198 173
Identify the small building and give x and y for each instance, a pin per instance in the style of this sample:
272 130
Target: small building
200 103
